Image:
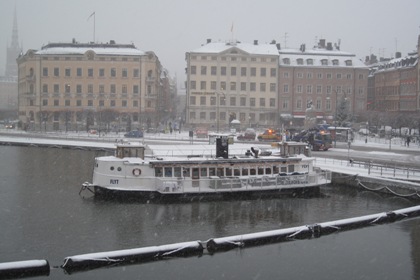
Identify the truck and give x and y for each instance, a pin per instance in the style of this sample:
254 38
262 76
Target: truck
318 138
270 135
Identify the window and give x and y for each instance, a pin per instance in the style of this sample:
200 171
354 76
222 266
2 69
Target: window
319 75
273 72
335 61
338 75
309 75
56 88
203 70
135 89
193 70
232 86
329 76
252 102
348 63
203 85
102 72
45 88
136 73
78 88
193 85
299 104
213 70
272 102
233 71
44 102
67 88
192 100
273 87
124 89
361 77
124 73
90 72
78 103
213 85
310 61
202 115
213 101
286 75
299 61
113 88
262 87
328 89
318 104
56 72
243 86
262 102
263 72
90 102
79 72
308 89
202 100
253 71
113 72
101 88
253 86
243 101
232 101
223 71
67 72
124 103
300 75
324 61
349 76
286 61
299 89
318 89
222 85
67 103
45 72
243 71
56 102
90 88
285 88
285 104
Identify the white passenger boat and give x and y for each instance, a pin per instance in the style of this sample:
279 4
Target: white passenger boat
131 173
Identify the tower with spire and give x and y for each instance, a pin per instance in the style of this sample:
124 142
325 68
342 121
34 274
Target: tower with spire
13 51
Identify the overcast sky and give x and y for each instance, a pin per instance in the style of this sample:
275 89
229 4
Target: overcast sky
171 28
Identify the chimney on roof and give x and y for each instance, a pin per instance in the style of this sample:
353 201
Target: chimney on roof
112 42
398 55
255 42
73 41
208 41
278 46
321 43
329 46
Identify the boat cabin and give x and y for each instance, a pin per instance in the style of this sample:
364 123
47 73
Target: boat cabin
130 150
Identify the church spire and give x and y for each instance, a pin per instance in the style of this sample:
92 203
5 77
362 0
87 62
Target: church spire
13 51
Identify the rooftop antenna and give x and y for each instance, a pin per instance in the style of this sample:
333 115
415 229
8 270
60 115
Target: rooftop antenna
285 39
94 23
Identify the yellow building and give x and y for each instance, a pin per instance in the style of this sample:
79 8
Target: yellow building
74 86
229 81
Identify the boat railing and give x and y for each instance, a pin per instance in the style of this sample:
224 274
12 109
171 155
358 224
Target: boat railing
246 183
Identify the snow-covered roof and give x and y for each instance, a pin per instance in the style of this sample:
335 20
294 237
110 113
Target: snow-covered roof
252 49
396 63
99 49
318 57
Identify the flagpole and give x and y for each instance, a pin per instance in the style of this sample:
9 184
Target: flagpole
94 25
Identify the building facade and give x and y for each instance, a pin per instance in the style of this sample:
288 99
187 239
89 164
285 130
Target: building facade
74 86
395 85
323 78
229 81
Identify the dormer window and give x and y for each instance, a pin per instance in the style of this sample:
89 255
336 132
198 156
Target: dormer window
335 62
299 61
324 61
310 61
349 63
286 61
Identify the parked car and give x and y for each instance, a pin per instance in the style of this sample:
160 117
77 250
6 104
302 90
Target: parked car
249 135
134 134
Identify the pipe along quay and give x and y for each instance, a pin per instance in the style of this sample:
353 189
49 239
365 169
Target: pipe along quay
85 262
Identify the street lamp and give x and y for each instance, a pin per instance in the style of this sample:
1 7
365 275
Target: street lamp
217 107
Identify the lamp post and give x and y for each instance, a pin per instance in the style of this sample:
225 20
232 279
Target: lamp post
335 119
217 108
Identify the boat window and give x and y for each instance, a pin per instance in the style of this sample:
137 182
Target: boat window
212 171
236 172
283 169
158 172
267 170
220 172
275 169
168 171
112 168
260 170
177 171
244 171
228 171
291 168
203 172
252 171
119 168
186 172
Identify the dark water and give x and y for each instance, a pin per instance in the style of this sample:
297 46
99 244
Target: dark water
43 217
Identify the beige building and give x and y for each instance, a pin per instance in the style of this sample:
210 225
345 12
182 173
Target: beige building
74 86
232 81
324 77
